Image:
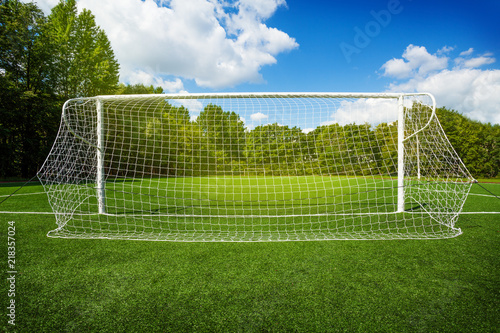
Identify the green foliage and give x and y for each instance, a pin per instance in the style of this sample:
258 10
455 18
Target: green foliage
137 89
44 61
84 62
27 127
387 136
171 141
23 56
350 149
476 143
223 138
218 143
29 111
274 149
163 136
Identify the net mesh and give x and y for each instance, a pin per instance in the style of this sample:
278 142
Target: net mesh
253 167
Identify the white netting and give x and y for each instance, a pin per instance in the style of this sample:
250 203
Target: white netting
253 167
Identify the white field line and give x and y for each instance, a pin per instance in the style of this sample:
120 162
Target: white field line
233 216
472 213
483 195
15 195
37 213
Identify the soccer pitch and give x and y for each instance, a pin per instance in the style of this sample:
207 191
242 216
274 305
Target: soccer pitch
446 285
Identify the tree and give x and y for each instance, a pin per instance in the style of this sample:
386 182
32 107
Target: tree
327 149
84 62
350 149
42 63
223 134
23 55
172 141
137 89
278 149
28 109
387 138
476 143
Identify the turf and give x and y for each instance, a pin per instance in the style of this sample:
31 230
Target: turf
69 285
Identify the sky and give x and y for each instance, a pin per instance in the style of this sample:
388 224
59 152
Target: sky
447 48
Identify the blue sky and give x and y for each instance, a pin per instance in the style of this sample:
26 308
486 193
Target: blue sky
320 27
448 48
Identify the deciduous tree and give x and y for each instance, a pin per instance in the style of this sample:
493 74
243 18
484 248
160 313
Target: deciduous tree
84 62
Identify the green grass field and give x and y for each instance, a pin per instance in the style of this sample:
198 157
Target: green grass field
77 285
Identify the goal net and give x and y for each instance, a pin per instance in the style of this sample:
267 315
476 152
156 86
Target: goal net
254 167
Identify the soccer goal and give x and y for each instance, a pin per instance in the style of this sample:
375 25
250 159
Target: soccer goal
254 167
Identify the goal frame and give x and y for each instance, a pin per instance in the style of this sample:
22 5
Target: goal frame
245 167
100 100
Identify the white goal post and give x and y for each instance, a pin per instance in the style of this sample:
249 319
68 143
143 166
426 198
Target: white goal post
254 167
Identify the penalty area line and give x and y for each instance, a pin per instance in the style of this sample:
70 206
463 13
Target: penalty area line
41 213
482 195
16 195
472 213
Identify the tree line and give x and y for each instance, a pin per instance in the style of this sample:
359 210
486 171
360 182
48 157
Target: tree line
45 60
167 142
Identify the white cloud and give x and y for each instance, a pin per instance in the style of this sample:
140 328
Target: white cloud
193 105
360 111
364 111
466 53
215 45
328 122
307 130
485 59
416 61
473 92
445 49
258 116
397 68
139 76
213 42
44 5
249 127
478 62
465 88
